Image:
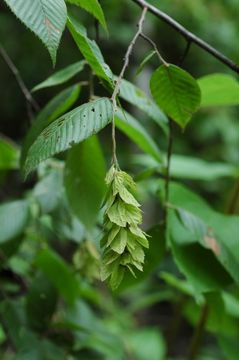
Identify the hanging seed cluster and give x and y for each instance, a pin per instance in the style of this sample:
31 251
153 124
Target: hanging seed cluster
124 241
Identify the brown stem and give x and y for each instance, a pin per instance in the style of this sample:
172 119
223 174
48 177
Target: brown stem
30 101
120 77
188 35
193 352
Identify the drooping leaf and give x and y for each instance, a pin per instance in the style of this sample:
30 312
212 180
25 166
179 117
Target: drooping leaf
176 92
219 90
46 18
71 128
137 97
84 180
61 76
56 107
90 50
93 7
58 272
9 154
218 247
137 133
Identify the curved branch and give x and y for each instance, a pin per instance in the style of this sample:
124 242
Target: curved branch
188 35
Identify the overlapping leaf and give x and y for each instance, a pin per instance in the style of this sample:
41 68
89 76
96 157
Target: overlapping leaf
61 76
176 92
90 50
46 18
56 107
84 180
70 129
93 7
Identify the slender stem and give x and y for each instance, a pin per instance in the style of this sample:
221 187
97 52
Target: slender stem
193 352
168 163
28 96
188 35
152 43
120 77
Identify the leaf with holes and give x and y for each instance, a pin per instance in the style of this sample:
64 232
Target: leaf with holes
61 76
84 180
70 129
90 50
93 7
176 92
56 107
46 18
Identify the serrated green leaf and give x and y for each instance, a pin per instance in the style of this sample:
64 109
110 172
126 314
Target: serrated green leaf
219 90
61 76
138 98
93 7
90 51
84 180
137 133
176 92
127 197
71 128
56 107
46 18
58 272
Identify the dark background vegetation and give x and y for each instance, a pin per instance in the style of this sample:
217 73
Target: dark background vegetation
213 135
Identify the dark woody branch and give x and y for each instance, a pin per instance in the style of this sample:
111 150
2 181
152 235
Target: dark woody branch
189 36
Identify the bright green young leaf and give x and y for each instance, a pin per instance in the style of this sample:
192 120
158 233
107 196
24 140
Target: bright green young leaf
176 92
137 97
219 90
137 133
84 180
145 61
9 154
61 76
93 7
90 50
56 107
70 129
60 275
46 18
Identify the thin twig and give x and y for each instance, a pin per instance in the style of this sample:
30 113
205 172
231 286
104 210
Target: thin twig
31 102
188 35
193 351
120 77
185 53
152 43
168 163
